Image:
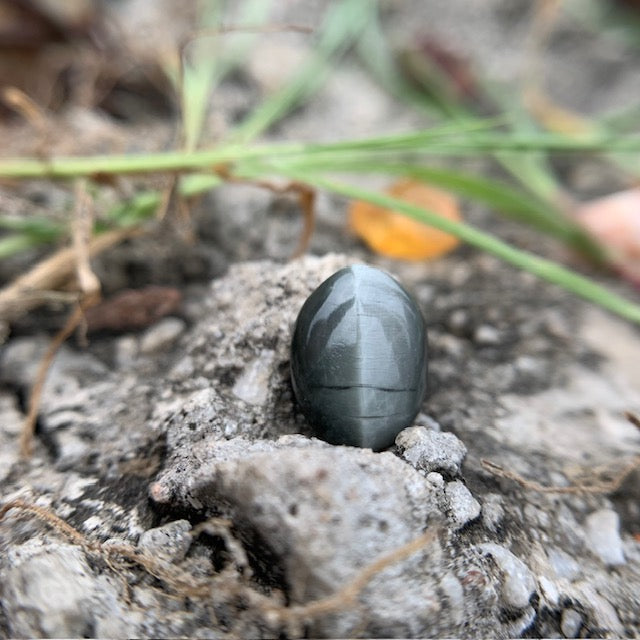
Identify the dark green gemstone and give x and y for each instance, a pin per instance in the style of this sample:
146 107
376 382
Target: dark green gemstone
359 358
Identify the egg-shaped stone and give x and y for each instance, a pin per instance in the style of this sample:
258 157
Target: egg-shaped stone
359 358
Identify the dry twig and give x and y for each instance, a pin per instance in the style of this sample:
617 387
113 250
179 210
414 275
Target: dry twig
90 295
229 586
346 596
596 487
306 198
33 288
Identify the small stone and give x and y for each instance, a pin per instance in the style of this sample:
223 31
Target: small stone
548 591
462 507
126 350
428 450
454 592
519 583
603 536
570 623
171 540
563 564
435 479
492 511
486 336
49 590
253 384
161 335
458 322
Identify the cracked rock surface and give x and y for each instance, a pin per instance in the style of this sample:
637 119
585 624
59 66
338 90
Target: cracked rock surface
140 451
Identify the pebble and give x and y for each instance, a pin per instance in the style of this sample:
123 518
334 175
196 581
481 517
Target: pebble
252 385
171 540
492 511
161 335
126 350
570 623
435 480
458 322
486 336
50 591
519 584
462 507
454 592
428 450
548 591
563 564
603 536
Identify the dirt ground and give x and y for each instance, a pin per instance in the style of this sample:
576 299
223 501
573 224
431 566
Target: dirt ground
174 487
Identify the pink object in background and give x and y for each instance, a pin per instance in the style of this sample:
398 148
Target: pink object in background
614 222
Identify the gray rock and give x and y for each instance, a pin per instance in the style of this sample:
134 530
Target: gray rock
518 582
10 424
564 565
253 384
171 540
570 623
429 450
603 536
51 592
161 335
326 512
486 336
493 511
461 507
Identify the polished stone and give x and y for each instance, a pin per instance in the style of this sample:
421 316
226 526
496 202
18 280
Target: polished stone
359 358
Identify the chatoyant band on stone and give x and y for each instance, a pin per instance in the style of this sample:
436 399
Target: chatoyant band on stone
359 358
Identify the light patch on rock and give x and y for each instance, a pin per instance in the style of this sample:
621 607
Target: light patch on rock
462 507
518 582
161 335
253 384
603 536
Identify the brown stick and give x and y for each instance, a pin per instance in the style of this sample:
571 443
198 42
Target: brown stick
607 486
305 194
29 424
346 596
32 289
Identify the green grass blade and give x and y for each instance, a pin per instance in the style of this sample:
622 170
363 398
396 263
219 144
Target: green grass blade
16 243
210 59
40 229
454 145
541 267
343 23
508 201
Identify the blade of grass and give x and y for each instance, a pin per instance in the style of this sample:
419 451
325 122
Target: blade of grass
454 145
17 242
541 267
374 54
37 227
343 23
206 65
510 202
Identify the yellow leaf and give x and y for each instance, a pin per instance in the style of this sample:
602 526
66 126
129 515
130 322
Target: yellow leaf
395 235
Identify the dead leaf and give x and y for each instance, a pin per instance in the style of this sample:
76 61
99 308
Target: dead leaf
133 309
395 235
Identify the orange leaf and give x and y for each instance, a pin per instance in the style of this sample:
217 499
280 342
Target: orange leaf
395 235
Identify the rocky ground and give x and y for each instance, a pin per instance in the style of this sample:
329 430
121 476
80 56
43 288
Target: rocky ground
175 489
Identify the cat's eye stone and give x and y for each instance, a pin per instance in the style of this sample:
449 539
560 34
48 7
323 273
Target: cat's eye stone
359 358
